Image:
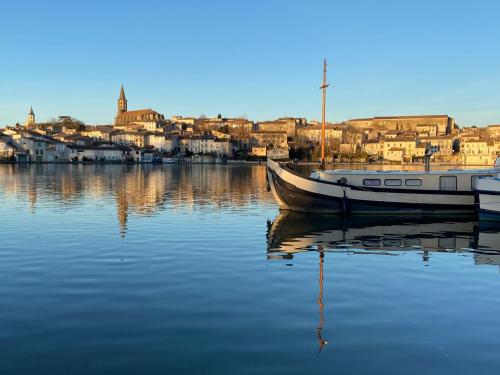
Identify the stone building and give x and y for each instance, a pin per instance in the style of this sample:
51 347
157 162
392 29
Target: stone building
235 126
147 118
269 139
287 124
445 124
391 148
313 133
445 144
479 152
372 147
493 131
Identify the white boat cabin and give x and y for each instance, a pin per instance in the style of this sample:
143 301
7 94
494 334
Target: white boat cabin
450 180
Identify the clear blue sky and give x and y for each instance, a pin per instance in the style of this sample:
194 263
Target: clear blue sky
258 58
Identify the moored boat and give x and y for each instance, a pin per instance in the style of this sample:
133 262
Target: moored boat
365 192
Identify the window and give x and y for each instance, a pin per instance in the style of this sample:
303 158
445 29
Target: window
448 183
473 180
371 182
393 182
413 182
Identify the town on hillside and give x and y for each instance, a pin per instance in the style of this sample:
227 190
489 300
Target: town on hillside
146 136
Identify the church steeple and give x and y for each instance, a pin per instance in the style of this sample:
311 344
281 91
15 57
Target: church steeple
122 102
31 118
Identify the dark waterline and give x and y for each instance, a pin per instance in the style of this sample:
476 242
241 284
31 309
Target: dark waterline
192 269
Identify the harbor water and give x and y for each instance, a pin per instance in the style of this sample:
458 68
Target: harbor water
192 269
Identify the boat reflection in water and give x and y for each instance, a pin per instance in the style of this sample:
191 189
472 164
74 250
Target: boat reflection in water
292 233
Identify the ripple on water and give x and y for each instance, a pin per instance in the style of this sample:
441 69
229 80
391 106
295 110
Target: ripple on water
192 269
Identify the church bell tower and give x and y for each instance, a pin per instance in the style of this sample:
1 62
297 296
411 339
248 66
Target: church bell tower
30 121
122 102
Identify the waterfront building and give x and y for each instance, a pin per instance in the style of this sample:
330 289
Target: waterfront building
446 144
208 144
161 142
98 152
420 151
349 148
259 151
399 148
479 152
396 154
8 147
278 153
372 147
35 147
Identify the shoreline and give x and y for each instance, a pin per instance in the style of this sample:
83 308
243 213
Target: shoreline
239 162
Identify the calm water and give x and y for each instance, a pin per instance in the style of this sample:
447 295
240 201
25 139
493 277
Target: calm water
193 270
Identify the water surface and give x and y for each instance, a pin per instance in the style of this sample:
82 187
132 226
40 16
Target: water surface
192 269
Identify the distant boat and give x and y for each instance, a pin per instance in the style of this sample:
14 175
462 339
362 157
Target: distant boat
165 160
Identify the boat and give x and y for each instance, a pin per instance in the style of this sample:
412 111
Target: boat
168 160
366 192
342 191
488 195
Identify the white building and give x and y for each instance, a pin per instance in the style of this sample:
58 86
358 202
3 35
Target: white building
98 153
210 145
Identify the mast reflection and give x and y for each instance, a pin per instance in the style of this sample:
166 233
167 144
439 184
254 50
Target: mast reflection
292 233
321 341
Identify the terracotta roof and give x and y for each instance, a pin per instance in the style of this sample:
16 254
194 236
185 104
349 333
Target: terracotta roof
137 112
397 117
272 132
437 137
400 139
318 127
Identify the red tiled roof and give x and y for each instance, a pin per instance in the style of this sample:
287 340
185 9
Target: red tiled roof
138 112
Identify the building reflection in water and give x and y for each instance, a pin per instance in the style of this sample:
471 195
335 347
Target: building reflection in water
140 190
293 233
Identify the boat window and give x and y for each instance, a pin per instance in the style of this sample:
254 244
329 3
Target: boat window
448 183
393 182
413 182
474 178
371 182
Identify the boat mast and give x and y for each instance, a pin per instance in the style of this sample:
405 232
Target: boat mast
323 117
